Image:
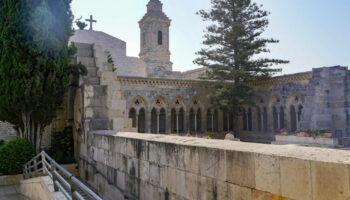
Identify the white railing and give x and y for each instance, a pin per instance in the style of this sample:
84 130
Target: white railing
70 186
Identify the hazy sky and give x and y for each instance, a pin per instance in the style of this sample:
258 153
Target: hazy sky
312 33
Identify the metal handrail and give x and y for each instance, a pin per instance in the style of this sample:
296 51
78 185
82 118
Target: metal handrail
62 179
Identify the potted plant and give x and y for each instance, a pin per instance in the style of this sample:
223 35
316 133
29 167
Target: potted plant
322 133
304 133
281 132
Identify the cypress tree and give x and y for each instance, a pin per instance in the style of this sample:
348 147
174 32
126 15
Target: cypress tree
35 63
233 52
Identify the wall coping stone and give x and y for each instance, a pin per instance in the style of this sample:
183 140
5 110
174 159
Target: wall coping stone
289 151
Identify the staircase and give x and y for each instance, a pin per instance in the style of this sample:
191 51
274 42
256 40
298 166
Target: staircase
96 112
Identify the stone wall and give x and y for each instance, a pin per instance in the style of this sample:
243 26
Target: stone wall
168 167
7 132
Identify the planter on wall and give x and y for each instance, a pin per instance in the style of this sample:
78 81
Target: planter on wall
303 134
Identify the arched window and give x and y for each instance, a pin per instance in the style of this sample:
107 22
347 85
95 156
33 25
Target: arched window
162 121
132 115
282 126
192 120
275 118
209 121
173 121
300 110
265 119
250 122
199 120
154 123
142 121
160 37
181 120
244 120
258 117
293 119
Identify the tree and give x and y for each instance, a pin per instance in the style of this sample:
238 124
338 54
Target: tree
233 52
34 63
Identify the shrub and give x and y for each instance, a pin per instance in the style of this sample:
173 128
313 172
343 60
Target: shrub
14 154
2 142
62 146
319 132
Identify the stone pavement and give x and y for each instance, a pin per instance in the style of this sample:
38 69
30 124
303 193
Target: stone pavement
11 192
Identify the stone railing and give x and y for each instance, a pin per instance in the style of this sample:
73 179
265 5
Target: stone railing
169 167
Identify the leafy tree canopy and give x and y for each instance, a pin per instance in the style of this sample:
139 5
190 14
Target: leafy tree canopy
234 51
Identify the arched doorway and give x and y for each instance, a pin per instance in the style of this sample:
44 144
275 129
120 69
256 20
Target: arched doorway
173 121
293 119
250 120
142 121
209 121
132 116
162 121
258 117
192 120
282 125
154 123
199 120
244 120
265 119
275 118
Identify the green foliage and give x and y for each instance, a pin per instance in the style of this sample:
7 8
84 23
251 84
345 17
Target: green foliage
110 60
62 150
2 142
35 62
81 25
233 52
207 137
319 132
14 154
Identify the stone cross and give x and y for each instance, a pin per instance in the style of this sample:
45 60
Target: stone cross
91 20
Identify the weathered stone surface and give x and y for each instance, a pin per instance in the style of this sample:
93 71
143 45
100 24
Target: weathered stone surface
267 173
330 181
212 163
296 178
240 168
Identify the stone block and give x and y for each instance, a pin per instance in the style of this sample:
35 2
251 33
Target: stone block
260 195
167 178
154 173
144 170
191 159
295 178
240 168
267 173
330 181
157 153
212 163
121 180
133 167
240 193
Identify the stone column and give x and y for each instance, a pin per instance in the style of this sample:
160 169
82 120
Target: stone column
137 122
195 122
157 123
177 122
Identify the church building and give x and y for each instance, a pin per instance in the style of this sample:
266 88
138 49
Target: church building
143 94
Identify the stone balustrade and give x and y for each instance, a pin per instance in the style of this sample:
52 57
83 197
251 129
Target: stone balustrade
171 167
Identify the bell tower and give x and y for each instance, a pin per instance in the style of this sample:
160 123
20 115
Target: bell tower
154 50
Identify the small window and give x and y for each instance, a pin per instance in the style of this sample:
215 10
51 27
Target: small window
160 37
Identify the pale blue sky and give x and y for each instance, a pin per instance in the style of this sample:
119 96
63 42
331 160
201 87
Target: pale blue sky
312 33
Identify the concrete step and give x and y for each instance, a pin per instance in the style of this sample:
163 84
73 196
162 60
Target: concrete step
92 71
91 80
99 124
98 111
87 61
